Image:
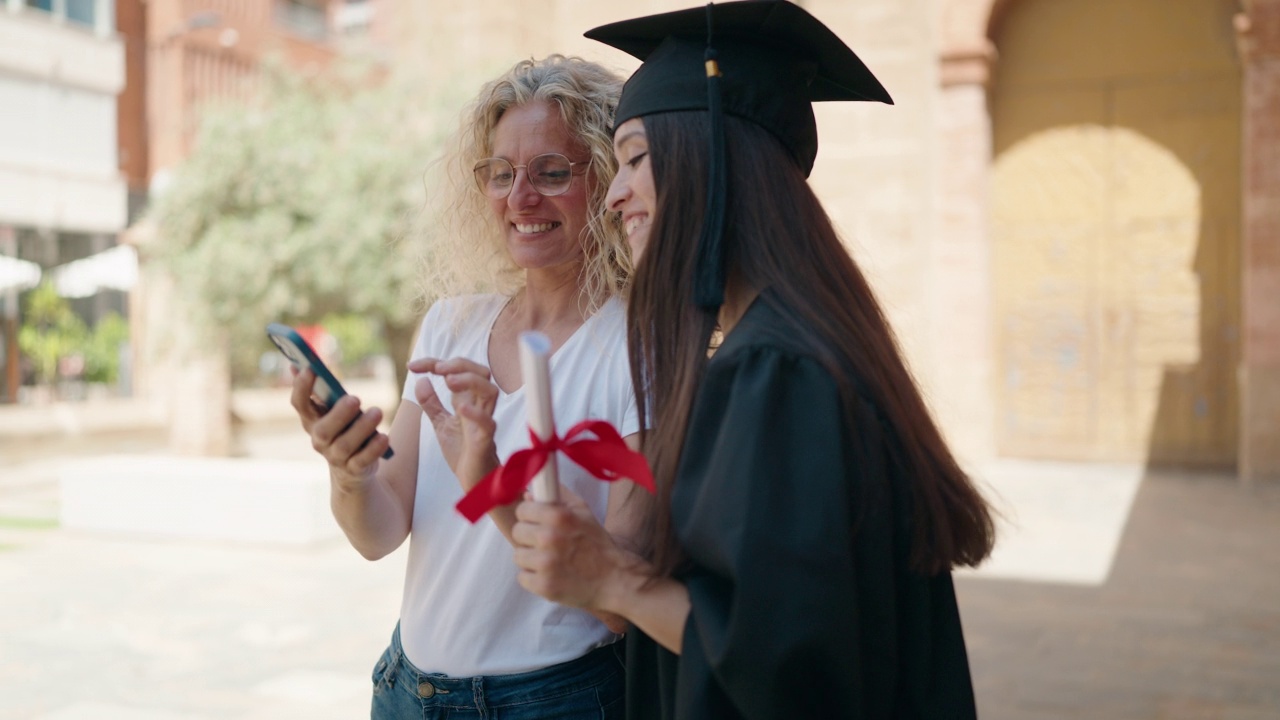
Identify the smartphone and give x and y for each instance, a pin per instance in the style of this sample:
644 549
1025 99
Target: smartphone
327 388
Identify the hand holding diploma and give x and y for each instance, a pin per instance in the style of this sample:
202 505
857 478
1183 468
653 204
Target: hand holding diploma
565 555
606 456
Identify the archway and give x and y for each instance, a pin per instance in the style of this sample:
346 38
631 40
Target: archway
1163 82
1115 230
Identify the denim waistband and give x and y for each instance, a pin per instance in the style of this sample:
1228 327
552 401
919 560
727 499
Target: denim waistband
516 688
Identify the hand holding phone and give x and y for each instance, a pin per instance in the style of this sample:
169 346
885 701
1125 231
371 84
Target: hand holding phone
327 388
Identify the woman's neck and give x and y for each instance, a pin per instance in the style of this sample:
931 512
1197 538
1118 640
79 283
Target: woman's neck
549 298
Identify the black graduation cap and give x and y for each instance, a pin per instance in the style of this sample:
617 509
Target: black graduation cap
765 61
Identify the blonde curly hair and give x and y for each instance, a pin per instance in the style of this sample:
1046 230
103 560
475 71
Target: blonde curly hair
466 252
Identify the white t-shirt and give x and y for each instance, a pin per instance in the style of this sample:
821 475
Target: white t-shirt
463 613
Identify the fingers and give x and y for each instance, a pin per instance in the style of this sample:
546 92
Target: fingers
340 435
460 365
423 365
540 525
328 426
560 560
468 378
301 390
573 501
425 393
538 573
534 582
475 387
370 453
536 513
529 559
469 383
546 522
472 389
526 534
351 439
300 397
480 425
446 367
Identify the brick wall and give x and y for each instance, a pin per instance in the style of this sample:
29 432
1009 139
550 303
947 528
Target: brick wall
1259 41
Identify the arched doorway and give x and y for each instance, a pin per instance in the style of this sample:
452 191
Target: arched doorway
1115 226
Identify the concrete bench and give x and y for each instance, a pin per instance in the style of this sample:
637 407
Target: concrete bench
238 499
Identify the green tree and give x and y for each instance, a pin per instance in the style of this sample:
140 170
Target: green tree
357 338
103 347
296 204
50 332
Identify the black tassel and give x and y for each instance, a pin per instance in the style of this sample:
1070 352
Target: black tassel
709 283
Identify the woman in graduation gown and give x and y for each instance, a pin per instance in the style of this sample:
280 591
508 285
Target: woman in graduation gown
797 557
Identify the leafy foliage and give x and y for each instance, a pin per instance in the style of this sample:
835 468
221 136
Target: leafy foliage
102 351
297 204
50 331
357 338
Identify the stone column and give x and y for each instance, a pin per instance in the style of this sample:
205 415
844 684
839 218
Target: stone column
961 267
1258 35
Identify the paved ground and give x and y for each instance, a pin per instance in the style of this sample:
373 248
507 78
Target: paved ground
1187 625
1116 594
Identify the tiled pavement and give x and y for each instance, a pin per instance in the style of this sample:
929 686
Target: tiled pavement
1178 618
104 627
1186 626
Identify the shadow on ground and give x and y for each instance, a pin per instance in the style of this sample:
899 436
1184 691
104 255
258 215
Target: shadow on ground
1186 625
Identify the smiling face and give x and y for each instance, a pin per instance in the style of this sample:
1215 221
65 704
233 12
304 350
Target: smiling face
631 193
540 232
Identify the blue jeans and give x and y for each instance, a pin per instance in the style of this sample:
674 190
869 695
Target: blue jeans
590 687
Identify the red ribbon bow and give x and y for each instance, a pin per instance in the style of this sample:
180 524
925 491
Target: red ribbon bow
606 457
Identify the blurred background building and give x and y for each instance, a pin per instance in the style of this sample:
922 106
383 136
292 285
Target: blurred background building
1071 214
181 56
99 101
62 197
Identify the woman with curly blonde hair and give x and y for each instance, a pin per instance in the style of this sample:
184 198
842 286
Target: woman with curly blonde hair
526 238
468 252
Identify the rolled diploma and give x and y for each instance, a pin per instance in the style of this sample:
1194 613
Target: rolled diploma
535 352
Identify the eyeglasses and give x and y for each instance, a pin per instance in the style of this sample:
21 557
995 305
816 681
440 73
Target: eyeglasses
549 174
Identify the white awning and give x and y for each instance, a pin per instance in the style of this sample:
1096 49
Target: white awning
18 274
114 269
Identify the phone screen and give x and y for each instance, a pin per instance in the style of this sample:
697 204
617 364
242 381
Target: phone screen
327 388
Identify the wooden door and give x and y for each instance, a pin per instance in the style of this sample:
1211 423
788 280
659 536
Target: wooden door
1115 209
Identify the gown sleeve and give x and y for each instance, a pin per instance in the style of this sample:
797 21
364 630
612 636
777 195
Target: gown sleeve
764 509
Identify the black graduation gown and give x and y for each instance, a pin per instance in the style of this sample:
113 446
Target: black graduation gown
796 613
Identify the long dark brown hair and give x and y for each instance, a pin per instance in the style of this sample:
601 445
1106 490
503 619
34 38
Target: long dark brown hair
779 238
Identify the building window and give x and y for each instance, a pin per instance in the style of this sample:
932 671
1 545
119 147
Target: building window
97 15
353 17
303 17
80 11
